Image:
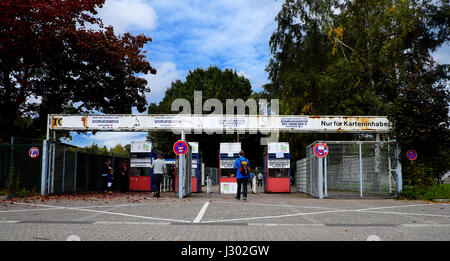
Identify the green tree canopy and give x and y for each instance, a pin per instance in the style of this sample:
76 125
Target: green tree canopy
50 62
367 58
214 84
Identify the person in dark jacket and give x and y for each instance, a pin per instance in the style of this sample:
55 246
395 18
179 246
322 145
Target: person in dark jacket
107 176
241 176
124 177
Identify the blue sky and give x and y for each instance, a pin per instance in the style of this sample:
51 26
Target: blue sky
188 34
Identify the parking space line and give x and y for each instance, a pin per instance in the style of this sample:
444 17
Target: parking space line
24 210
130 223
278 216
110 213
405 213
201 213
275 205
401 206
286 225
424 225
9 221
365 210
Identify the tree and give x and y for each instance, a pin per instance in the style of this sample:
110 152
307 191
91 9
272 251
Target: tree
51 63
121 151
366 58
214 83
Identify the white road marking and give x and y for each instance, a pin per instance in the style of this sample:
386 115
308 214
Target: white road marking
24 210
366 210
403 206
403 213
203 210
424 225
130 223
286 225
9 221
201 213
109 213
275 205
279 216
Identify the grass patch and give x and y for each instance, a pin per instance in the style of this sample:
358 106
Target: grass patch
441 191
22 193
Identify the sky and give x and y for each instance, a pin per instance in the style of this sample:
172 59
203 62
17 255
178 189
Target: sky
188 34
230 34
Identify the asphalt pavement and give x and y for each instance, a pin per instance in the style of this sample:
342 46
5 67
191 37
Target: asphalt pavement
135 216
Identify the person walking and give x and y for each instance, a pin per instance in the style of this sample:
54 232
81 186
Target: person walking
159 168
242 169
252 181
260 179
124 178
107 176
171 174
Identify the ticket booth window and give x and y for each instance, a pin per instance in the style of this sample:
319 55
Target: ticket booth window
229 173
279 173
140 172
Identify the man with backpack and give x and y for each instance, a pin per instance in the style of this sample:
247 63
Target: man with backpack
242 169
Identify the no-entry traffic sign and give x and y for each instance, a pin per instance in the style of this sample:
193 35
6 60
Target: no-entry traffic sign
180 147
320 150
33 152
411 154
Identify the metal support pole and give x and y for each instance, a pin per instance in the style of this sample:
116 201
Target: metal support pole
75 172
398 170
44 166
180 175
63 169
320 178
50 155
52 172
360 172
325 176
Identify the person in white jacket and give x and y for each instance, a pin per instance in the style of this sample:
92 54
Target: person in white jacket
159 168
260 179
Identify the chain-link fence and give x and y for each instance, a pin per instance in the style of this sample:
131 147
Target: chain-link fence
213 174
351 169
71 171
18 169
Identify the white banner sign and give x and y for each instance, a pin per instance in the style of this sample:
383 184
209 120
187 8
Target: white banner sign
141 146
227 163
278 147
140 162
228 187
230 148
194 146
208 123
279 163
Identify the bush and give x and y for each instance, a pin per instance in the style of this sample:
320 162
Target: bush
13 185
441 191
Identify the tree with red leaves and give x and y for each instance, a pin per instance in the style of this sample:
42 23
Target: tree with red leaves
51 62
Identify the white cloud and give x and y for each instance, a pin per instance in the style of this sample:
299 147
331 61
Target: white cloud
228 33
128 15
166 73
111 139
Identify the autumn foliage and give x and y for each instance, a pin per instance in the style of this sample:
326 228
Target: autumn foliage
52 60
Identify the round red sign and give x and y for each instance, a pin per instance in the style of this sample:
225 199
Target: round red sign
320 150
411 154
180 147
33 152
